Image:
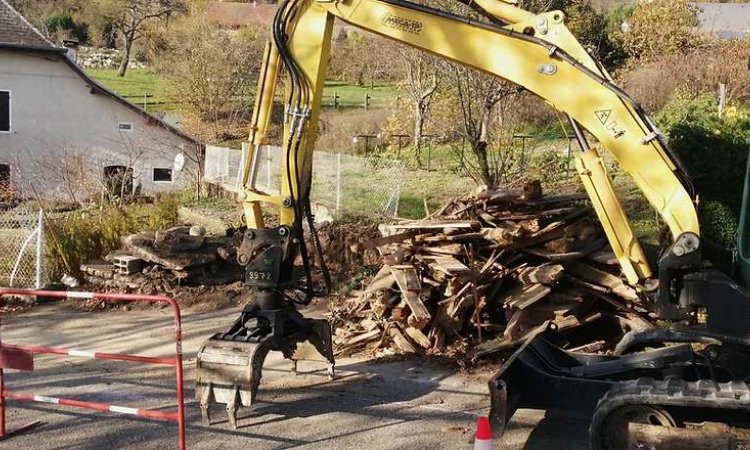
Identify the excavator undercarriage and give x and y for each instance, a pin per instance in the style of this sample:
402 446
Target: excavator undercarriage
690 377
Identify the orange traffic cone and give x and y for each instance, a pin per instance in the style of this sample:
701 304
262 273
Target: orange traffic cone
483 439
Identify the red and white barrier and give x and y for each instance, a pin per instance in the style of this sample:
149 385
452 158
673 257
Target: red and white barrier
20 357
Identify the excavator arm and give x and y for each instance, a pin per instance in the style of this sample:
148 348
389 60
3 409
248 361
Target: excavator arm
540 54
537 52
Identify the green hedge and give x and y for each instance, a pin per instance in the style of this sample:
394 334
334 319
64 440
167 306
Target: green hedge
714 152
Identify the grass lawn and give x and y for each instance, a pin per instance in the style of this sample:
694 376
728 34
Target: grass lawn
352 96
135 84
138 82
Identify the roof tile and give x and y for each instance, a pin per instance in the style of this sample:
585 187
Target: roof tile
16 30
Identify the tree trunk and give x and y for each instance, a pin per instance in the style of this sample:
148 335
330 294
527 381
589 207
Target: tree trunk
128 39
419 119
480 150
484 126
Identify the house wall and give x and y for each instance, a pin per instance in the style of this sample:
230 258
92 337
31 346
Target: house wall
63 135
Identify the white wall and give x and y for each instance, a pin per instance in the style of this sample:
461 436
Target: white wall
63 135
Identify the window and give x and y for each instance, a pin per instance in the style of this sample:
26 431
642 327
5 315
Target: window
118 181
4 174
4 111
6 188
162 175
4 177
122 126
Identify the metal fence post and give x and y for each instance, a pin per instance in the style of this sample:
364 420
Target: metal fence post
338 181
268 170
39 248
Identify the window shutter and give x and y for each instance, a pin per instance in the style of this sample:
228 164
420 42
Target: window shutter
4 111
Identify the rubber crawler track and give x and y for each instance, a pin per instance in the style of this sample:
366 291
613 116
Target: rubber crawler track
733 395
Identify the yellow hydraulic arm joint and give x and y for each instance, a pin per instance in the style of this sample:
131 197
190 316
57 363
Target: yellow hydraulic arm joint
261 118
612 216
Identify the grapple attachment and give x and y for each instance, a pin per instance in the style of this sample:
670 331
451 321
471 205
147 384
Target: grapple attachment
229 373
229 367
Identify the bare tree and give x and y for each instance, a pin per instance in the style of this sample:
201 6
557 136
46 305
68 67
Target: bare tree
421 85
66 169
212 76
131 18
481 99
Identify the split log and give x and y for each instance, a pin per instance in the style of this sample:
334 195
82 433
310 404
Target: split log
707 436
606 279
449 266
417 336
402 343
520 297
547 274
409 284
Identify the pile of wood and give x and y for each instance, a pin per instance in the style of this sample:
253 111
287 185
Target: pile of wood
483 271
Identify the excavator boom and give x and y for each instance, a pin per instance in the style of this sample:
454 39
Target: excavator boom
539 53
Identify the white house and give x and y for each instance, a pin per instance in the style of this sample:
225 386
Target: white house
725 20
64 135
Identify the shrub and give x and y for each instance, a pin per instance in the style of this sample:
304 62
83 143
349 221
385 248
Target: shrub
713 150
659 27
719 223
551 166
699 71
64 25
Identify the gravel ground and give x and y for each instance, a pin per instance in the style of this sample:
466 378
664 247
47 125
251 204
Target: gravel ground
405 404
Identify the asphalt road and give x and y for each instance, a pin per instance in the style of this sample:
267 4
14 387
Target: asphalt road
403 404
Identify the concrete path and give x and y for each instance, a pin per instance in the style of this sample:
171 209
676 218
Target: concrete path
403 404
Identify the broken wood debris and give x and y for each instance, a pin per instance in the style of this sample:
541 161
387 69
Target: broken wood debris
484 271
155 261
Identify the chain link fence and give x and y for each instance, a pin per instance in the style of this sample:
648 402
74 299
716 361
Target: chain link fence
341 183
21 248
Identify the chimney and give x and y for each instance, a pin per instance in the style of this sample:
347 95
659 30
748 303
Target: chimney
72 46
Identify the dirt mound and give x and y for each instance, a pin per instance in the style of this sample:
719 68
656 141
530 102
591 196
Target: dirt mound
343 247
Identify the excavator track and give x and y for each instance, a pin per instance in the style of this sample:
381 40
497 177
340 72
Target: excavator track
678 415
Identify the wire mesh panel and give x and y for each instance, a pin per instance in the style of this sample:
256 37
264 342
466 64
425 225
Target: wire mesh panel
362 185
221 165
366 185
268 178
21 248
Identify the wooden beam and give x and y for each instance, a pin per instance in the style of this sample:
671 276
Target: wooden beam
409 284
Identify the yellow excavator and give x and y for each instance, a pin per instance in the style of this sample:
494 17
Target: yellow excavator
676 384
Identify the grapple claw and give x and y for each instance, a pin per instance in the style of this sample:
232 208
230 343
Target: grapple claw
230 365
232 410
331 371
229 372
205 402
322 339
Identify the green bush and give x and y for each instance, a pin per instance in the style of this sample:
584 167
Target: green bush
65 22
713 150
551 166
719 224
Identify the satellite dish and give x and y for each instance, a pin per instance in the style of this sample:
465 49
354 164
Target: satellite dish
179 162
